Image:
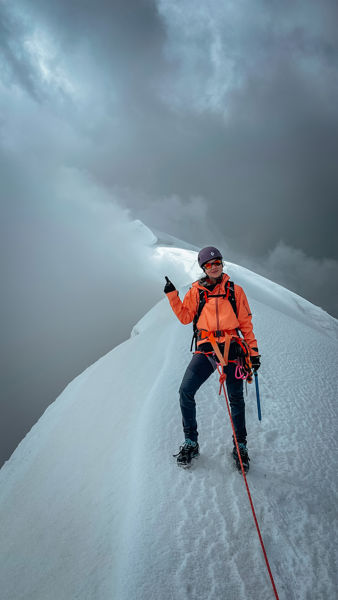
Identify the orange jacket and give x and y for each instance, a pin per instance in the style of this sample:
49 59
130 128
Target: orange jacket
217 313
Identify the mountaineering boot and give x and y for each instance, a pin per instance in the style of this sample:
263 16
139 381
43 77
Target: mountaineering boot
244 456
186 453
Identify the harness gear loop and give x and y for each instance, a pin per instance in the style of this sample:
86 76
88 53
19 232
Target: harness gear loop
240 372
221 380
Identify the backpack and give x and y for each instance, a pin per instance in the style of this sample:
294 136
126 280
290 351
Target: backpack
203 295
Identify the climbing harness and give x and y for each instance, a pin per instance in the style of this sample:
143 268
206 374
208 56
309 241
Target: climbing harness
243 362
240 372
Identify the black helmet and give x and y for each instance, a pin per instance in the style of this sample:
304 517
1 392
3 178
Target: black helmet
208 253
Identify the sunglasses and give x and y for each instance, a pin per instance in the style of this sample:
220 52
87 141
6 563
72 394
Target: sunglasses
216 263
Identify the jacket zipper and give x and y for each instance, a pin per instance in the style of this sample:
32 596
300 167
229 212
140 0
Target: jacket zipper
217 316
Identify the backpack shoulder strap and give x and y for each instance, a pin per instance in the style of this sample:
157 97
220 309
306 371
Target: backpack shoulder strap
202 300
232 300
232 297
201 304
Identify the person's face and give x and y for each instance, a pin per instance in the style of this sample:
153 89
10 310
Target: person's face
213 268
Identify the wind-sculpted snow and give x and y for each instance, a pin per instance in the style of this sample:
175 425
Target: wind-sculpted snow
94 507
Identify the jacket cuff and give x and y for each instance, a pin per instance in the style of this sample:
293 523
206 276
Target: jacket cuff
172 294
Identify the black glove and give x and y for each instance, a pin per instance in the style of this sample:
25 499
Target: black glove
169 287
256 362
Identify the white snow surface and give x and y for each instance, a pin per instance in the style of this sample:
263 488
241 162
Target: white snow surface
94 507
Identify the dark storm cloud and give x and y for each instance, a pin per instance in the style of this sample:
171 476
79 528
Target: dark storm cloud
261 79
121 40
226 112
269 77
15 65
233 104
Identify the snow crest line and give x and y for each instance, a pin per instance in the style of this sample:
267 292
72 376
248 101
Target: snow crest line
93 505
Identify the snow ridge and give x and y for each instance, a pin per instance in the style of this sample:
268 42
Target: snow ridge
94 507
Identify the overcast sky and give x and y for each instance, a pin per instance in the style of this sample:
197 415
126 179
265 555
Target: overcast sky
216 122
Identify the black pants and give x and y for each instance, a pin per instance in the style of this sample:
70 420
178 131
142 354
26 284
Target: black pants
198 371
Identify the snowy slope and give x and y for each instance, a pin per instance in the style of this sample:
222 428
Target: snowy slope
92 503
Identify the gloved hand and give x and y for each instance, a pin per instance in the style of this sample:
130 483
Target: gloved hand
256 362
169 286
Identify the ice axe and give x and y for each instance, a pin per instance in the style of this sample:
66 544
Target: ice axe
257 396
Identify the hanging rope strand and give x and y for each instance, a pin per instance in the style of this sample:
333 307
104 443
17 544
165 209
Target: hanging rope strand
222 386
